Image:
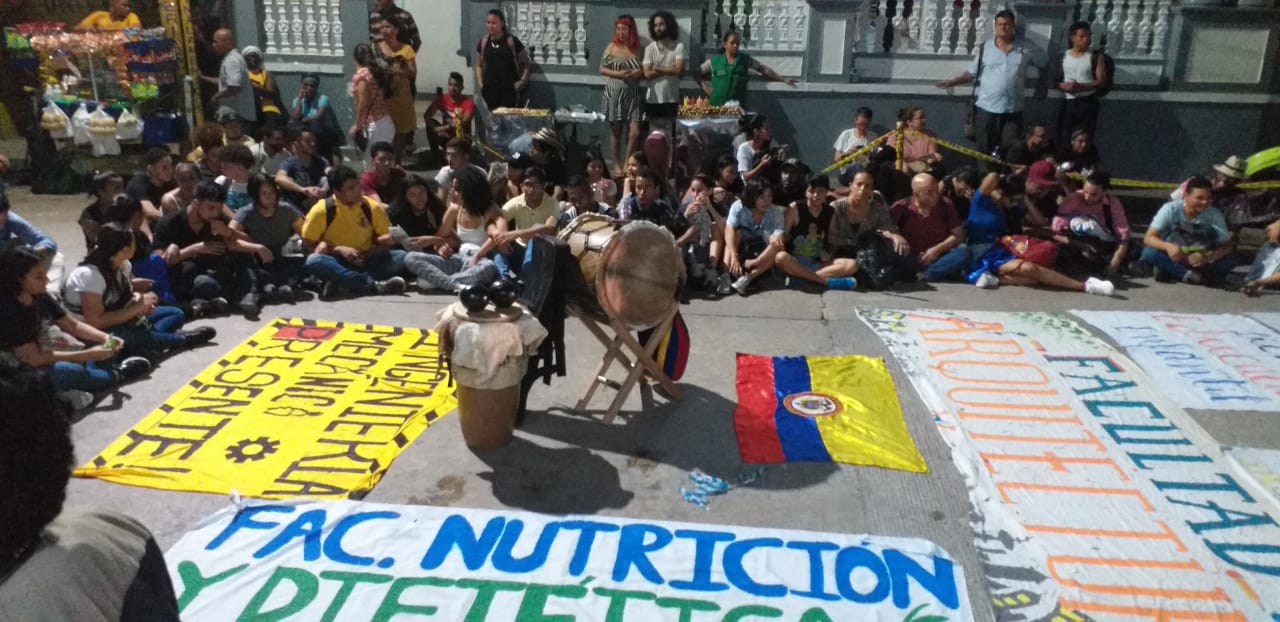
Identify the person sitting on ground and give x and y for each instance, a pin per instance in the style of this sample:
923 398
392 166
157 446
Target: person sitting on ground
311 109
207 261
269 154
852 140
385 179
349 235
177 200
604 188
754 234
863 212
547 152
532 213
1231 201
449 116
808 258
419 212
149 188
1092 226
727 186
1036 145
1265 271
302 176
37 332
1043 195
104 294
635 162
648 204
105 188
505 178
127 213
457 157
1079 155
459 260
756 155
269 223
1188 239
75 564
237 161
791 189
703 245
208 152
230 131
581 201
14 228
993 214
932 230
919 152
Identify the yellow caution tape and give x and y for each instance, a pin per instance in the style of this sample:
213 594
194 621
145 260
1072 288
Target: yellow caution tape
847 160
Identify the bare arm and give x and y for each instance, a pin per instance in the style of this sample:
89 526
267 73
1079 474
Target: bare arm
964 78
96 316
479 66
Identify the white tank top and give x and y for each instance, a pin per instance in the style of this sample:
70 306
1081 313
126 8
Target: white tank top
475 236
1078 69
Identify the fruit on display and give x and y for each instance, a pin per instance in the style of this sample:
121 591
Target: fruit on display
102 124
522 112
54 122
701 107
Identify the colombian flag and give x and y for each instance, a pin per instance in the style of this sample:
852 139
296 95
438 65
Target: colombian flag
821 409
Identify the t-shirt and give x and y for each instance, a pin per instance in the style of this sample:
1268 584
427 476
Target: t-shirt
387 192
452 109
270 231
235 73
305 175
924 232
21 324
1018 153
746 157
173 229
102 20
773 223
659 212
1000 84
445 176
1075 205
237 192
141 189
415 224
663 55
844 232
266 163
809 235
87 279
849 140
91 566
1206 231
349 226
520 216
500 67
986 221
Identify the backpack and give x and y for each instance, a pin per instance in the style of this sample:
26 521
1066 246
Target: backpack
331 211
1109 64
877 266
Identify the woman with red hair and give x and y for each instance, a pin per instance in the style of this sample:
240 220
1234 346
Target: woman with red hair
623 104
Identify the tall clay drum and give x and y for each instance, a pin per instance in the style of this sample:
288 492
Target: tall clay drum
632 270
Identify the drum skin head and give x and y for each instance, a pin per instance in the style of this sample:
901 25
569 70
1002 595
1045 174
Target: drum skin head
635 267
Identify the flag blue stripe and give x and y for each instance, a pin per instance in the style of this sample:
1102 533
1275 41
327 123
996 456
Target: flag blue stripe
801 441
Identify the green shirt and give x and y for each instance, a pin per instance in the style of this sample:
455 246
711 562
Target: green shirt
729 82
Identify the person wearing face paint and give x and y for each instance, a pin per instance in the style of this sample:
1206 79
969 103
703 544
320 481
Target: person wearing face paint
1188 240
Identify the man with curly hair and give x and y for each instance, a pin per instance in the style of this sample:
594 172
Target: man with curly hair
72 565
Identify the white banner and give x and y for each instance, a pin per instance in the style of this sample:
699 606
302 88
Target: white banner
1092 494
1270 319
364 561
1212 362
1261 467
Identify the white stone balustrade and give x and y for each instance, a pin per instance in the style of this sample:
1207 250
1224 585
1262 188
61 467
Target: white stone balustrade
554 32
932 27
1134 29
770 26
302 27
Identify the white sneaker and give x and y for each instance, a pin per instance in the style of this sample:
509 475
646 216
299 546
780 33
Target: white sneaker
1099 287
987 281
79 400
742 284
724 285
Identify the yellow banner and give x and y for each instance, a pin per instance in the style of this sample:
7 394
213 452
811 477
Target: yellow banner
301 409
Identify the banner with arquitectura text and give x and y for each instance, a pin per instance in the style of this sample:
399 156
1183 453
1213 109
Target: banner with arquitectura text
361 561
1092 495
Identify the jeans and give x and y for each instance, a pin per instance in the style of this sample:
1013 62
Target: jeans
227 277
281 271
92 376
1213 273
379 267
948 266
995 129
510 263
449 274
165 322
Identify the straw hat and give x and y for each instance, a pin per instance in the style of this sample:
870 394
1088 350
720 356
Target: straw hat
1234 168
548 137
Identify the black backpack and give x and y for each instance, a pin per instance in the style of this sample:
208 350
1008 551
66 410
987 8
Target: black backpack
1109 63
877 268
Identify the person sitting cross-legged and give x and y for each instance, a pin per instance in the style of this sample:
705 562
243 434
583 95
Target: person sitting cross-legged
349 235
207 261
648 205
269 223
809 258
933 231
754 234
457 261
863 212
103 292
532 213
703 245
1188 239
1265 271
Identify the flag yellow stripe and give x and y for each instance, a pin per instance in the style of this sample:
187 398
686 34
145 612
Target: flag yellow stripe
869 429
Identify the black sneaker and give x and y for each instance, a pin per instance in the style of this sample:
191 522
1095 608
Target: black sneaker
217 306
391 286
196 337
333 291
285 295
270 295
250 305
132 368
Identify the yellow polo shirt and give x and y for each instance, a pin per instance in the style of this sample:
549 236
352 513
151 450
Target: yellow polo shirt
520 216
101 20
349 227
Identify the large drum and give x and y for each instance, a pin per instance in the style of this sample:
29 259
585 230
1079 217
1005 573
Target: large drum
632 270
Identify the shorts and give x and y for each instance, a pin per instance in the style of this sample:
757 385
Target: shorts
661 111
812 264
751 248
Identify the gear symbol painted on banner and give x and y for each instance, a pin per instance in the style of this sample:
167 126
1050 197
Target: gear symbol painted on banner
251 450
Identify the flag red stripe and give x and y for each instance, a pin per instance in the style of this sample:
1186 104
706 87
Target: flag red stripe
753 420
